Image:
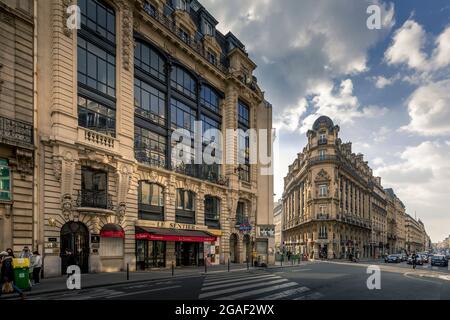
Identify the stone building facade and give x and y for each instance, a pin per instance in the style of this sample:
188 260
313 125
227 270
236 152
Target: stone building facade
378 217
16 124
114 90
396 217
278 222
327 197
415 232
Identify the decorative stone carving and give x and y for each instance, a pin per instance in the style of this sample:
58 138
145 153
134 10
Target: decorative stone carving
24 162
65 17
57 168
127 34
121 209
67 206
322 176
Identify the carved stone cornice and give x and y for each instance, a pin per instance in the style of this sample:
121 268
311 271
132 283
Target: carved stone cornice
127 34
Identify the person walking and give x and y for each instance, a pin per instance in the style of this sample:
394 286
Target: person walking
36 264
7 274
26 254
413 260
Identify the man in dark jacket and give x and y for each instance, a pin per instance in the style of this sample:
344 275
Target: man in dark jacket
7 272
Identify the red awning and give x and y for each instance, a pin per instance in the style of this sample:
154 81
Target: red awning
111 230
161 234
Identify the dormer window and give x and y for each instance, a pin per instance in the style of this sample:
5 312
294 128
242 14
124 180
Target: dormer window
211 56
322 138
208 29
182 5
184 35
150 9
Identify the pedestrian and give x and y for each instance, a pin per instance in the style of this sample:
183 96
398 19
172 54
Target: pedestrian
26 254
10 252
36 265
7 274
413 260
289 255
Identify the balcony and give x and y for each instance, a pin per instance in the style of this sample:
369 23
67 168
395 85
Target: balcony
15 132
322 141
197 171
94 200
97 140
323 158
323 216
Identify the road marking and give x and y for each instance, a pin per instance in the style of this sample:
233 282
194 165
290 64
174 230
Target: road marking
284 294
224 291
258 291
146 291
312 296
209 283
233 283
246 276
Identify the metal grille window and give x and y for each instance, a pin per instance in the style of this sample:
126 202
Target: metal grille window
97 117
323 234
94 188
150 102
96 67
210 99
185 206
149 147
99 18
5 180
212 57
212 212
182 116
149 61
182 81
243 114
151 201
322 154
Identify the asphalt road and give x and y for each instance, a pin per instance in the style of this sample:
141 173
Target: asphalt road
309 281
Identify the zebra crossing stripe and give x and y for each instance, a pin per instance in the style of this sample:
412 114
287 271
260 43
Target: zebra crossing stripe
232 276
312 296
233 282
258 291
238 280
225 291
285 294
143 291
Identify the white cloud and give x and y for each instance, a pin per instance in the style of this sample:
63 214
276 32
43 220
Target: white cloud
381 82
421 179
341 106
429 109
289 119
408 45
382 134
378 161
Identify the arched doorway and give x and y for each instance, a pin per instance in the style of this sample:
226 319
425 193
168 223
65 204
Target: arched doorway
75 237
234 248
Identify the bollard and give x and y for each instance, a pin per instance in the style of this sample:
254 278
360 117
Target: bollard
247 265
282 260
128 271
228 265
206 269
172 268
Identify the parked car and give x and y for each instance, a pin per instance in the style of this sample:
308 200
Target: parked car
404 257
419 260
448 257
439 260
393 258
424 258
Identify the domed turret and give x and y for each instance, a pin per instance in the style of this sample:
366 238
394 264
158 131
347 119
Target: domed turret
323 120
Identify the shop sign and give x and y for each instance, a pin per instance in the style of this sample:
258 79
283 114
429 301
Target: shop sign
172 225
245 227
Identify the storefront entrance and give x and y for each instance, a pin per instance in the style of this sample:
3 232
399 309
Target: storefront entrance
189 253
150 254
75 237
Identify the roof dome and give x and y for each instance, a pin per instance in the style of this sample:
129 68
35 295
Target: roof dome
323 120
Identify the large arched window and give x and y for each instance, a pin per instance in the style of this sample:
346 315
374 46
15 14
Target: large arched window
185 206
209 98
182 81
212 212
149 61
151 201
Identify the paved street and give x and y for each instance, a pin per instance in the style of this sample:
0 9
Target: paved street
308 281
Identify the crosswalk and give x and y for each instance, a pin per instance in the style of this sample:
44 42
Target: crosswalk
254 286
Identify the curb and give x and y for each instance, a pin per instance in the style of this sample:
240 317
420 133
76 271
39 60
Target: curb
189 275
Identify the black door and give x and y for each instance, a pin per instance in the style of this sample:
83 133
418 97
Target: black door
75 237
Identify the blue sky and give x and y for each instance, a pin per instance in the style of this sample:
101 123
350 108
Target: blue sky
388 89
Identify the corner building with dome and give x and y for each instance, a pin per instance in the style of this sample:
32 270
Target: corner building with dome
327 199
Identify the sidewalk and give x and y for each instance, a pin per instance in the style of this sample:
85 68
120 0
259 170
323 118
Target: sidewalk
91 280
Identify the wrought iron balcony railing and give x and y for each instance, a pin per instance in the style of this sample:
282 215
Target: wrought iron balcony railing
94 199
197 171
15 131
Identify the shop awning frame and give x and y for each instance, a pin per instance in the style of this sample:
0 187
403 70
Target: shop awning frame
176 235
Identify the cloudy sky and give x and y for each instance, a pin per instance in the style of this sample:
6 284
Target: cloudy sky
388 89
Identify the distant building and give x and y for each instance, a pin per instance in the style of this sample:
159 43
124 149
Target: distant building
277 221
